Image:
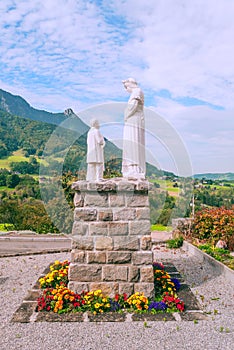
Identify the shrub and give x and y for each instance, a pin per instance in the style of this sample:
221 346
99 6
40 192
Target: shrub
175 243
214 224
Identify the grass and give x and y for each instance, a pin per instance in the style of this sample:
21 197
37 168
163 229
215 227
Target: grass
5 188
159 227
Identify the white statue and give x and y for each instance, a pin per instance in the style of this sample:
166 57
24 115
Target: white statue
133 164
95 152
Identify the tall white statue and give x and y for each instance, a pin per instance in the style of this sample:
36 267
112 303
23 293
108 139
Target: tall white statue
133 163
95 152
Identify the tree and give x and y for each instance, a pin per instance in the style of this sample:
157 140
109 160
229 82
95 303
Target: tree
12 180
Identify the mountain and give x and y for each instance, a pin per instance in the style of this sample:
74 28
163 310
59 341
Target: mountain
215 176
16 105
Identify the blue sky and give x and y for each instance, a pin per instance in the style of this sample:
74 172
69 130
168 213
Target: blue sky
69 53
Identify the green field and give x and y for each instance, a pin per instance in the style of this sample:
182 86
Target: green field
167 185
17 156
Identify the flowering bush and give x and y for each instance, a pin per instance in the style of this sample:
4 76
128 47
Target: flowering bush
58 275
163 283
61 300
173 302
58 298
96 302
158 266
138 301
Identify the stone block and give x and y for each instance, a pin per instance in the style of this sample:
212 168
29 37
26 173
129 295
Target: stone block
141 227
104 243
116 200
137 200
80 228
79 185
126 243
142 258
146 288
78 287
85 214
114 273
78 199
96 257
82 243
105 215
102 186
146 242
84 273
78 256
142 213
124 214
118 228
107 288
126 186
98 228
143 186
96 200
118 257
127 288
133 274
147 274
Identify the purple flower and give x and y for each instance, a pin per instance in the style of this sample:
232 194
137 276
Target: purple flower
158 305
158 266
176 283
114 305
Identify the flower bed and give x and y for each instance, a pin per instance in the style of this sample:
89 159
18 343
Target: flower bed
220 254
56 297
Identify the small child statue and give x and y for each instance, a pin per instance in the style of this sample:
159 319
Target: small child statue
95 152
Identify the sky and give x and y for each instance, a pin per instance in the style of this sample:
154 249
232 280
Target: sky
60 54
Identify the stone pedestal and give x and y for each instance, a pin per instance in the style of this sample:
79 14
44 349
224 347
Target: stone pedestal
111 242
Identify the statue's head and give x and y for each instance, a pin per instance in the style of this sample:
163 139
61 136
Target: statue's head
94 123
130 83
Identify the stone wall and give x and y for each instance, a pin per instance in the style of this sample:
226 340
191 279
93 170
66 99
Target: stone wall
111 242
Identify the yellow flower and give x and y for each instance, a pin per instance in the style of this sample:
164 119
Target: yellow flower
97 305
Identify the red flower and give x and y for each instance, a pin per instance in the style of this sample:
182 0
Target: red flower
76 304
125 296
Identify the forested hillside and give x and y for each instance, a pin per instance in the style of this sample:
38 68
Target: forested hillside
16 105
20 133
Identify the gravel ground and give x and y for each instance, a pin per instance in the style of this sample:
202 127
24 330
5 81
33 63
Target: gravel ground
214 293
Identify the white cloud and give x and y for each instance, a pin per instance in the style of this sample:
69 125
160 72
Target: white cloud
207 133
